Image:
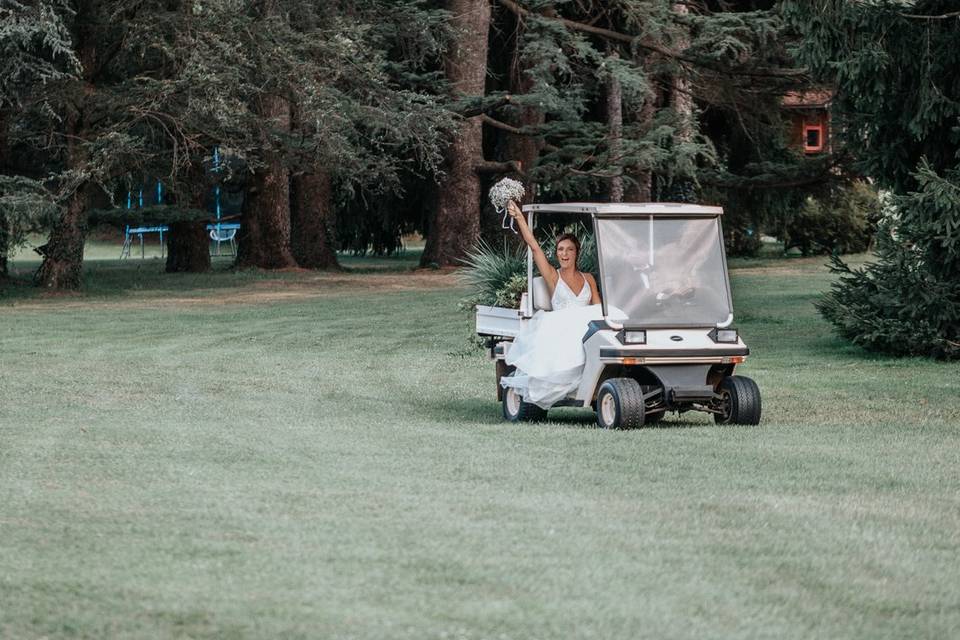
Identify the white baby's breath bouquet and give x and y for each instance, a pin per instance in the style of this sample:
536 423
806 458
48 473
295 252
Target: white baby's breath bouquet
502 193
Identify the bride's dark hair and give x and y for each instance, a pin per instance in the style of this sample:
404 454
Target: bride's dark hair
576 243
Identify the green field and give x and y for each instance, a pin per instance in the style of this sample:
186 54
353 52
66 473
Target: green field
249 455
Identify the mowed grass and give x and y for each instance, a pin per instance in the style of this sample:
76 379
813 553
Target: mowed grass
333 465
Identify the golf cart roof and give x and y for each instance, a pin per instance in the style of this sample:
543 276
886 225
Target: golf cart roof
620 209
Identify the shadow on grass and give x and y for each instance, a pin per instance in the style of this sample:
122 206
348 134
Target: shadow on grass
111 277
489 412
585 418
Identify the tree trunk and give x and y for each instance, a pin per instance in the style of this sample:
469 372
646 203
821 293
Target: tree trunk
640 188
188 247
311 213
681 99
683 188
455 223
615 131
264 237
4 247
311 221
4 169
523 149
63 254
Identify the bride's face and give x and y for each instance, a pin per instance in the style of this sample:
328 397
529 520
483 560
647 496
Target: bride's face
566 254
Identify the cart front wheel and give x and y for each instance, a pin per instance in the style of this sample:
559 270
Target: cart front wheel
739 401
620 404
516 410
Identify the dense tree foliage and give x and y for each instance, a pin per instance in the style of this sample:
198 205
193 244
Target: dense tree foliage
898 102
347 123
651 101
159 85
35 49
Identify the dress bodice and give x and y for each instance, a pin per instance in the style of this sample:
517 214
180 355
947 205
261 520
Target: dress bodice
564 296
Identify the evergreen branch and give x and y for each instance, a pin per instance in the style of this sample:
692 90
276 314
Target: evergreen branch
503 126
945 16
596 174
496 124
637 41
731 181
478 108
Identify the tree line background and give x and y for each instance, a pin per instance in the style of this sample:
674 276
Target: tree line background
345 124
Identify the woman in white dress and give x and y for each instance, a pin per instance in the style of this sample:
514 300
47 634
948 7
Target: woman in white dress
548 353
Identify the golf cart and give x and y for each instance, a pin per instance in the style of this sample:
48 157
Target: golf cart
663 273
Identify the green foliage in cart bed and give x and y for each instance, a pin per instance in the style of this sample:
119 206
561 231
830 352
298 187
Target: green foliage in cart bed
908 301
498 276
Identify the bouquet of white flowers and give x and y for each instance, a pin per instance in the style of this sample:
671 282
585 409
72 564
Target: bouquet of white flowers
501 194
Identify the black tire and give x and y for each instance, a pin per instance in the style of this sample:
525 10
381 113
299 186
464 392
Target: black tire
739 401
620 404
516 410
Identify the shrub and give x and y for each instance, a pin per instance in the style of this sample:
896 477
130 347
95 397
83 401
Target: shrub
512 290
908 301
740 239
842 221
488 271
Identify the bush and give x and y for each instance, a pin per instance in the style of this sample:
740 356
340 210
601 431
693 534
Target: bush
740 239
908 301
488 272
512 290
843 221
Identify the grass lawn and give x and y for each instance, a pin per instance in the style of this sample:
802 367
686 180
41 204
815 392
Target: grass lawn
249 455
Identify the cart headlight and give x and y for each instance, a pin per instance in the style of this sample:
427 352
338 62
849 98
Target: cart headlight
633 336
729 336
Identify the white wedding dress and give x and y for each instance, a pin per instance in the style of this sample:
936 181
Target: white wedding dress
548 353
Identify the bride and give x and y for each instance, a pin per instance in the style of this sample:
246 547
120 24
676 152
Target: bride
548 353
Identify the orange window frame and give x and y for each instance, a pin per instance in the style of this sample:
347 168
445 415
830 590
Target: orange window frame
819 128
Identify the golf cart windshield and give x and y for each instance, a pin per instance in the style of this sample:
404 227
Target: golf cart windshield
664 270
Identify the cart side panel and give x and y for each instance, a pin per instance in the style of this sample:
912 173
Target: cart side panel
498 321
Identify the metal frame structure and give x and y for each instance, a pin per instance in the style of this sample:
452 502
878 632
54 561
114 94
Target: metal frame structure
633 211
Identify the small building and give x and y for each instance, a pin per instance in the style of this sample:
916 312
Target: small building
809 114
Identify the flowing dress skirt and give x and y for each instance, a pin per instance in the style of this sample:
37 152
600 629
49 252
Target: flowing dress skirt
548 354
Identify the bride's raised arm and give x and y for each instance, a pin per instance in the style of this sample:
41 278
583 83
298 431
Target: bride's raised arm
547 270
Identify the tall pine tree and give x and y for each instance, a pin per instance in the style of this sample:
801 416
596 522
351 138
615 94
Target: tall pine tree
898 105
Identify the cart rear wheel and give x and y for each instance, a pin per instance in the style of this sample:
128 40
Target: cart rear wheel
516 410
620 404
739 401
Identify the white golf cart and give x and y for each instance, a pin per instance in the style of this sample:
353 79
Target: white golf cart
663 269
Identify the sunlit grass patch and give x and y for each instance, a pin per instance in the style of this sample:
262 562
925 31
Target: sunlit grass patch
333 464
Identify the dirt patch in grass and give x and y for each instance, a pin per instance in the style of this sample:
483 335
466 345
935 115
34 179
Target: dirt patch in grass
302 286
